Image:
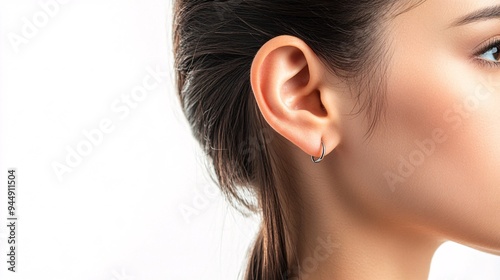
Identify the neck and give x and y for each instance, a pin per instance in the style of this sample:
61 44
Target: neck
354 249
335 236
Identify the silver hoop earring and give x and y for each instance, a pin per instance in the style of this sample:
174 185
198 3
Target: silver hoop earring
318 160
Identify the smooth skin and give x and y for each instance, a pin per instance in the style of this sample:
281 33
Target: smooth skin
430 170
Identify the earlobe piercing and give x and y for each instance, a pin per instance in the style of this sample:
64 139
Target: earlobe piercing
318 160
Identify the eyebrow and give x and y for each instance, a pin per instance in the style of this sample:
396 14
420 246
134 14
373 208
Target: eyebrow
483 14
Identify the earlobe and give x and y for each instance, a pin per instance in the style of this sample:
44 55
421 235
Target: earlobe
288 81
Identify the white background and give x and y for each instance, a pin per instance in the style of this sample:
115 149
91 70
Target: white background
117 214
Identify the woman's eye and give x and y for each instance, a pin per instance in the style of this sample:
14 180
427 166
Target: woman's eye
492 54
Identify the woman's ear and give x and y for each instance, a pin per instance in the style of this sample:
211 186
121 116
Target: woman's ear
290 86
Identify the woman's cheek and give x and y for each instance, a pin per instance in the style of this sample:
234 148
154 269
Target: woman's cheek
447 123
423 110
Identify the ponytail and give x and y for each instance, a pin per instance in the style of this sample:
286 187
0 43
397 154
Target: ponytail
268 258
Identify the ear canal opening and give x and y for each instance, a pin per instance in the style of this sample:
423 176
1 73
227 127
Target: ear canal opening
315 106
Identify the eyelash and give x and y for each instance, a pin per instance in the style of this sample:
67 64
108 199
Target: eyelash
489 45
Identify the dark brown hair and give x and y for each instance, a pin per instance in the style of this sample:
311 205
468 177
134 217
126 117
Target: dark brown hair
215 43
